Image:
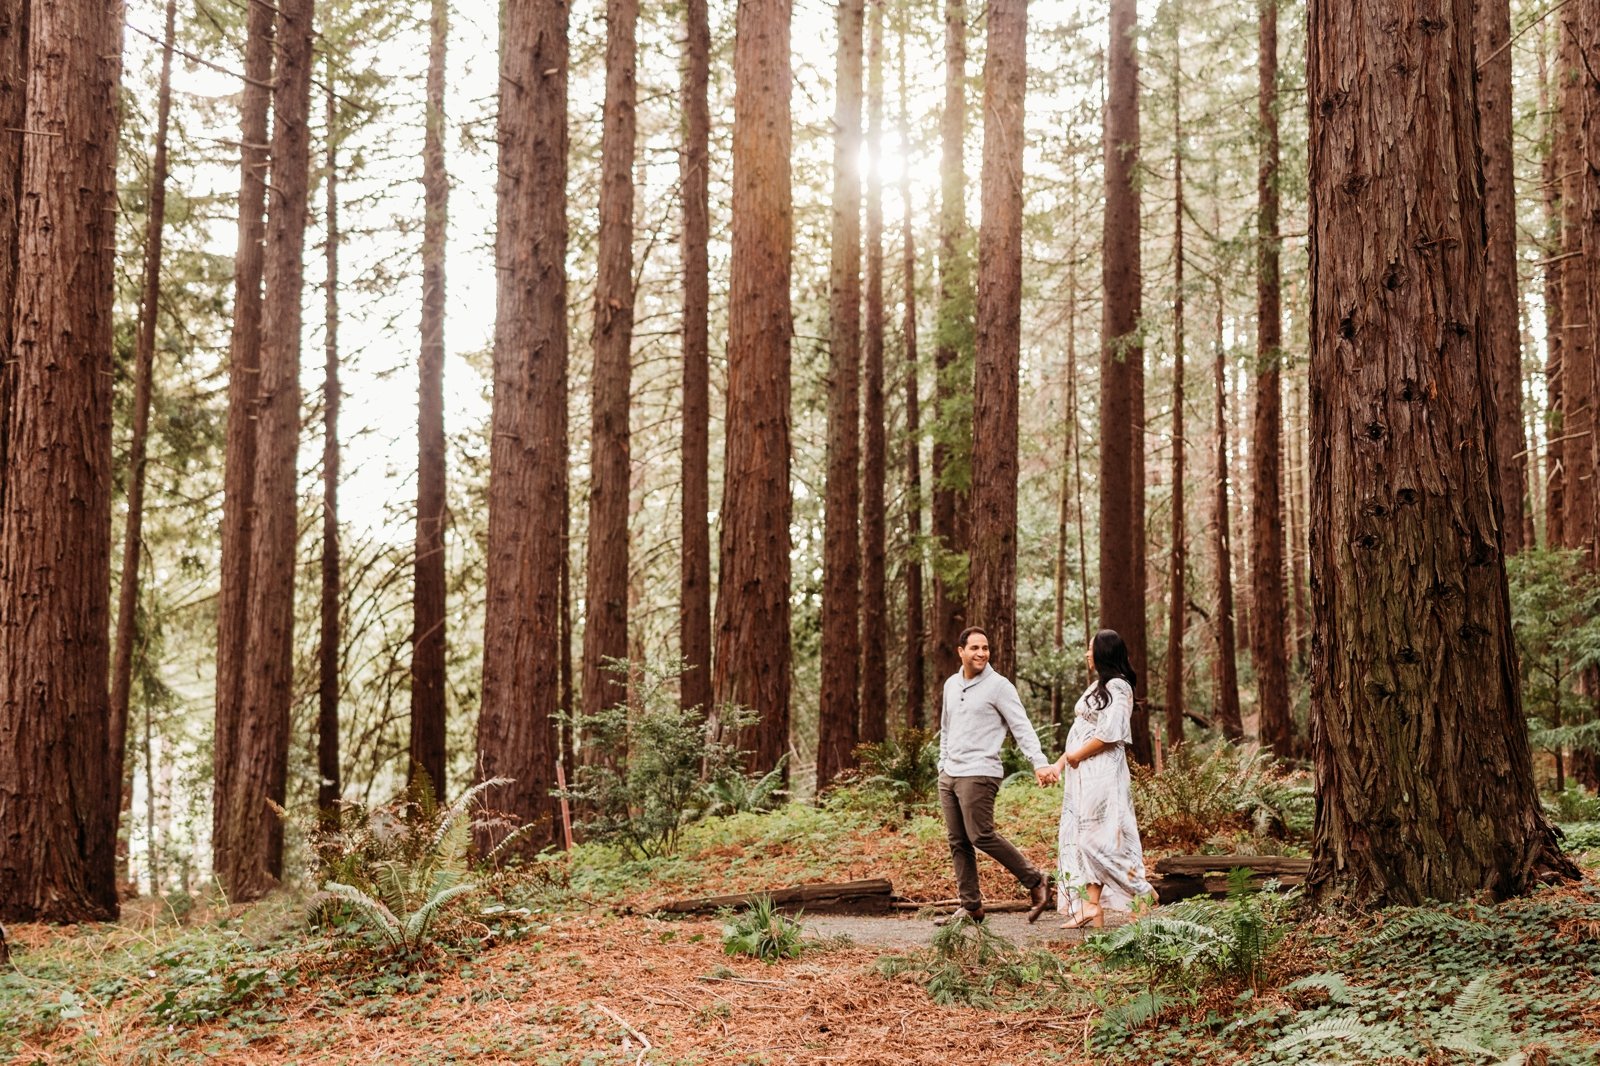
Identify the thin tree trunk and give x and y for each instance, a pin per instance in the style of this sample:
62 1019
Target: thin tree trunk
754 557
992 588
230 757
1551 167
428 646
838 719
1297 530
915 652
1227 710
953 339
1178 566
874 444
1122 591
1276 727
1492 37
528 450
1413 639
694 611
605 626
62 792
328 779
247 855
143 374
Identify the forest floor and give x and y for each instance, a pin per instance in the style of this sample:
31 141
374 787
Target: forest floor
580 972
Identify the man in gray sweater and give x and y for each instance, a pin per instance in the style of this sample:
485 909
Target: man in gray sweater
979 707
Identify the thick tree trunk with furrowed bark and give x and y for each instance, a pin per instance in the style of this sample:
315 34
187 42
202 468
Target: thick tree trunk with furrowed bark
694 610
752 620
1581 494
1122 578
605 627
231 750
428 706
60 789
522 645
838 719
992 588
1268 599
1425 783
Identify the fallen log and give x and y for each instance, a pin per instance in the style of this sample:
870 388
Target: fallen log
1258 865
872 896
1005 906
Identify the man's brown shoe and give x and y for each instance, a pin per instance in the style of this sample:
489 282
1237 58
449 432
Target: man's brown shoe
974 915
1039 896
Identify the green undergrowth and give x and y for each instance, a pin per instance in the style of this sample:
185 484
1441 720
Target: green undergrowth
969 965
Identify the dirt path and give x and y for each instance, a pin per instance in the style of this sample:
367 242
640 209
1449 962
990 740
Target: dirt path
913 932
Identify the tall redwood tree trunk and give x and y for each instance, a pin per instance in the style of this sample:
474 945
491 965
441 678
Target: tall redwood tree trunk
1501 310
605 628
1425 783
838 719
428 707
58 820
1227 670
874 443
231 754
952 426
522 645
752 620
1269 602
247 853
694 610
1178 566
1122 591
328 779
143 373
1580 261
992 588
1551 168
916 635
13 67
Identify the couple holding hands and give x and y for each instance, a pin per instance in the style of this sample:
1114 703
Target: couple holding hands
1100 861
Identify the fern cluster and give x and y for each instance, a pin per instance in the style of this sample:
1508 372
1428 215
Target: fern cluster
1203 791
970 965
762 933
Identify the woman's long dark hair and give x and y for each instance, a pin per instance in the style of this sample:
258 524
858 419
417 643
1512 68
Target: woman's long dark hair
1110 661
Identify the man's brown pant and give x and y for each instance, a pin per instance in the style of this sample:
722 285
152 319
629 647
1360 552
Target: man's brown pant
968 806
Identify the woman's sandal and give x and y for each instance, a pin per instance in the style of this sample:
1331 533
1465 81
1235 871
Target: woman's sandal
1084 919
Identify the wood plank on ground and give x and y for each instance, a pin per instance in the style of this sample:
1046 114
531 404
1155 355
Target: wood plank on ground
870 896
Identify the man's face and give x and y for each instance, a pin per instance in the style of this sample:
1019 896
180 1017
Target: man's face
974 654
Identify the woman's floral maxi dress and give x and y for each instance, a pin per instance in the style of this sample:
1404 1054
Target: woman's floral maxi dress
1099 841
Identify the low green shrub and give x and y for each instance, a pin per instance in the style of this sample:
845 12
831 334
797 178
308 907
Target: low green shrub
1208 790
760 932
970 965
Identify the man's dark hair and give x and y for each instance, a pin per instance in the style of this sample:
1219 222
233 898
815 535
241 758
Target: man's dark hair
961 641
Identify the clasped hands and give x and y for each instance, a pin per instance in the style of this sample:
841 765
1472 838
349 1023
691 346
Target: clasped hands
1046 775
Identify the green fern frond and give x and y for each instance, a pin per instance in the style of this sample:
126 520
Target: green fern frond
417 924
1337 988
1376 1041
463 802
373 910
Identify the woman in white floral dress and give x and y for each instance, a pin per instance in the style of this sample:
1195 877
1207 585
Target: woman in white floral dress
1101 859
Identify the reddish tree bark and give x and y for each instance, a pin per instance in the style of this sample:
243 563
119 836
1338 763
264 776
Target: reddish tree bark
605 627
838 718
428 706
1268 600
229 756
992 588
694 610
752 620
1227 670
1424 779
916 667
522 647
143 373
1492 40
247 845
59 815
1122 574
1551 169
1579 264
952 438
328 779
874 443
13 75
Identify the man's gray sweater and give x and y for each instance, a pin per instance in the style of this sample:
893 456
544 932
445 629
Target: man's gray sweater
973 720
